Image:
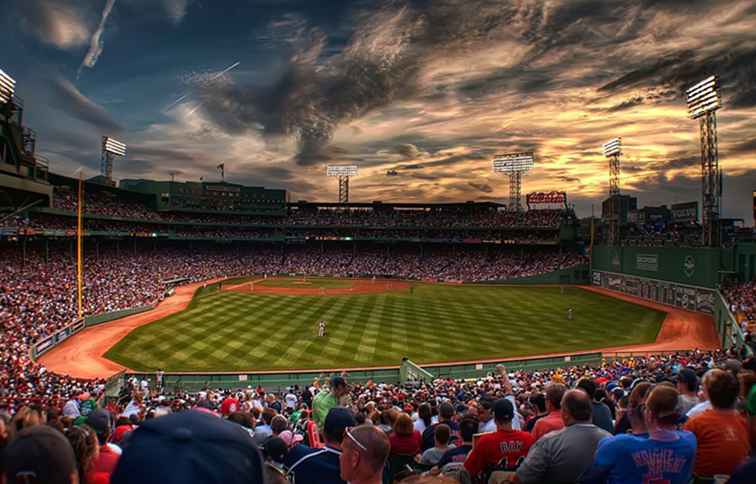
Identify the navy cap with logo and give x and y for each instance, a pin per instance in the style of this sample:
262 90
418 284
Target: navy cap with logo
39 454
503 410
189 447
337 420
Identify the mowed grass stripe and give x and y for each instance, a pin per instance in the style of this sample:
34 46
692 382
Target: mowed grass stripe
230 331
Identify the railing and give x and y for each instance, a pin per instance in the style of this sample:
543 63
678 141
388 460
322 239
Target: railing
729 330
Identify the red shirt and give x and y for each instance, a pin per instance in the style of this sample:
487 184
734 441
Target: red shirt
552 421
490 449
406 444
106 462
229 406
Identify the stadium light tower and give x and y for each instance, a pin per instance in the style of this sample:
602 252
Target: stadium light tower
703 102
7 87
110 149
613 151
343 172
515 165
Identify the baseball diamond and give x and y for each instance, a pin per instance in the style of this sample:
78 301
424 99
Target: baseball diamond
237 330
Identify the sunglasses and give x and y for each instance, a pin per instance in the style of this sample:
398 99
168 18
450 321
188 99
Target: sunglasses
348 433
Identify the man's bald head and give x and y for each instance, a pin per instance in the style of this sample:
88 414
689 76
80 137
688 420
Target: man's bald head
576 407
377 444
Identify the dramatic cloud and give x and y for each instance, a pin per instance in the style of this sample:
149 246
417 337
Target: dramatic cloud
69 101
54 22
175 9
430 90
96 43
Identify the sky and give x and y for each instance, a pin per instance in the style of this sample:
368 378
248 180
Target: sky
277 89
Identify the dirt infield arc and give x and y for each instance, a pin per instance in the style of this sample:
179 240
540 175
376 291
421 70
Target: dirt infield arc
82 354
357 286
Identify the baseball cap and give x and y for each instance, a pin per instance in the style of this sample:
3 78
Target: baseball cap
200 448
99 420
39 454
503 409
338 419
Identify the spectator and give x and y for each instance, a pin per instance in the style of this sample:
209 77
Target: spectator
84 444
278 425
405 440
485 415
502 449
666 455
364 455
307 465
230 404
602 416
189 447
107 457
40 454
442 435
446 417
537 402
562 456
424 418
633 420
468 426
553 419
324 401
264 430
71 408
721 432
687 384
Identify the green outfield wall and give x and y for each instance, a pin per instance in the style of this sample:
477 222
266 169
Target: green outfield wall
573 275
685 277
690 266
279 380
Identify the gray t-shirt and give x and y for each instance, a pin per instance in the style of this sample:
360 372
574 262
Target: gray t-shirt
433 455
602 416
561 456
687 402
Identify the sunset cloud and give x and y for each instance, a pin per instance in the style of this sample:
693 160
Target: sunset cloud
434 90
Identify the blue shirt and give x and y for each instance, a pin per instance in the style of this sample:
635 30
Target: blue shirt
628 459
313 466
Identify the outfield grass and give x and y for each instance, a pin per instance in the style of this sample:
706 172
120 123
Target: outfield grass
230 331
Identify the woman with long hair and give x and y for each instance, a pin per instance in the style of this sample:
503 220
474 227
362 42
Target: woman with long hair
424 418
86 449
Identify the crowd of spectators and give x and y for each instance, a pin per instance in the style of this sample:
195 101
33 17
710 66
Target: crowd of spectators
672 235
742 300
108 204
677 418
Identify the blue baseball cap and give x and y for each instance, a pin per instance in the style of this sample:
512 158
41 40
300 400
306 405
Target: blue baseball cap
189 447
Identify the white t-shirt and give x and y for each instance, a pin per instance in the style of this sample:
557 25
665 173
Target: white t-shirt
699 408
489 426
291 400
131 409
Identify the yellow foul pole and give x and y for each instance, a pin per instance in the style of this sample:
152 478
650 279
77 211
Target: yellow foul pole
80 248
